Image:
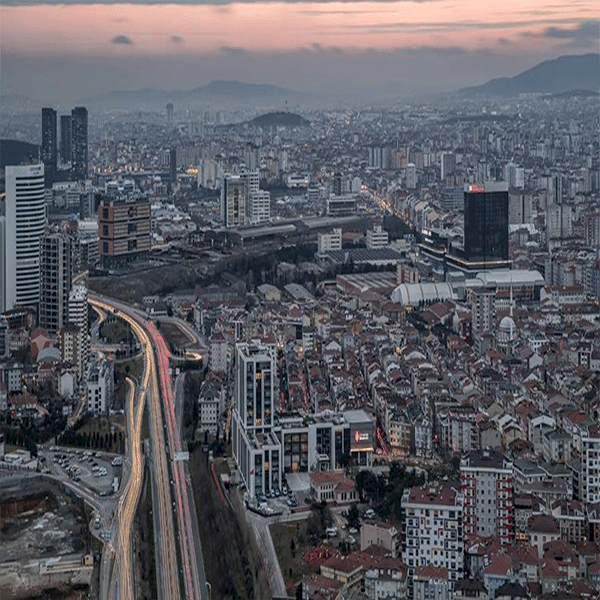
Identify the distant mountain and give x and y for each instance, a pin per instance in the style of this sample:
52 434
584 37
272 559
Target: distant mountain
14 152
276 119
227 92
557 76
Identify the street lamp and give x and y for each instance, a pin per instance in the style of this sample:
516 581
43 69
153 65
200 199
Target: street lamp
209 587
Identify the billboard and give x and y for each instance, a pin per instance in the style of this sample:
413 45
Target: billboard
361 436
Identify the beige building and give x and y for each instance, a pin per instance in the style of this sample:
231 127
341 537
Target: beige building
124 230
378 533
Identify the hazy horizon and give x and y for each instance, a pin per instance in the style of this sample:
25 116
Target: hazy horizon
68 52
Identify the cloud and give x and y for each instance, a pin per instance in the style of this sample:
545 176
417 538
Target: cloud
122 40
176 39
585 31
216 3
233 51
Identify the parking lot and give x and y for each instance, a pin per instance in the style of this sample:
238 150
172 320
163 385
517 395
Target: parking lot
93 469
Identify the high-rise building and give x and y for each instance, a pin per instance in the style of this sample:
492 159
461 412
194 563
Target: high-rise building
259 207
49 150
447 164
78 316
79 143
256 448
432 531
65 138
22 229
233 200
57 265
124 230
486 222
411 176
486 485
170 115
519 208
173 166
482 311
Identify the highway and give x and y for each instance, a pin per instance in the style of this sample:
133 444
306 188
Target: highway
166 564
157 359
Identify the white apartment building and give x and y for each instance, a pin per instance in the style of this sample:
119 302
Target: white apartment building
590 463
256 449
21 231
259 207
486 484
329 241
100 386
377 238
78 315
432 529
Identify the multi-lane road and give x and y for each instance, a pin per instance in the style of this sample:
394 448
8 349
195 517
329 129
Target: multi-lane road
174 495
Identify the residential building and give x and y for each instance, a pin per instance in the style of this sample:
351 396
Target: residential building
57 266
486 485
21 231
432 530
100 386
255 447
78 315
326 242
259 207
431 583
378 533
590 462
124 226
233 200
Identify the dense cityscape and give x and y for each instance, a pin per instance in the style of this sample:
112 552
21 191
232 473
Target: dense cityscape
327 353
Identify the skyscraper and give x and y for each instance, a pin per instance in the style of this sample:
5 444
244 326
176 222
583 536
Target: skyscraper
170 115
65 138
256 449
49 151
79 143
486 221
78 315
22 227
57 258
233 200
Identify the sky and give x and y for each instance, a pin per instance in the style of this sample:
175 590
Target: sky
70 50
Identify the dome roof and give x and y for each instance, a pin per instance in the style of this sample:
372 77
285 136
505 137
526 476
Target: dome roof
507 324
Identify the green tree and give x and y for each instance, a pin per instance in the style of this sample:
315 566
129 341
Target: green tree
354 517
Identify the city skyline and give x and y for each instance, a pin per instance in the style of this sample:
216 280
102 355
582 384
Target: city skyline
356 48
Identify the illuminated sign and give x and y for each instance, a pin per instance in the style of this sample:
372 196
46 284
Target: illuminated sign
476 189
361 437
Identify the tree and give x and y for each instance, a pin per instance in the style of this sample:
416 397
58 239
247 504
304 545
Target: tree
354 517
293 548
299 591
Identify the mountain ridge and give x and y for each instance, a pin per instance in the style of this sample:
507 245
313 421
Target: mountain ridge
554 76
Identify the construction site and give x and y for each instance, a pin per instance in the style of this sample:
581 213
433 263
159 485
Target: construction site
45 540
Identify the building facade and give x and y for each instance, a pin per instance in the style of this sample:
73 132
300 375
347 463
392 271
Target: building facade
486 222
256 448
49 148
487 488
432 530
57 265
21 231
79 143
124 227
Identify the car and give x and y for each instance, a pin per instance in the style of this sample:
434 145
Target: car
351 539
352 531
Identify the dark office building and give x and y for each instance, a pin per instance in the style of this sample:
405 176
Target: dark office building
49 146
79 143
65 138
173 166
486 222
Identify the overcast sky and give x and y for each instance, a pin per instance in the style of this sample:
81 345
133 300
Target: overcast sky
68 51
